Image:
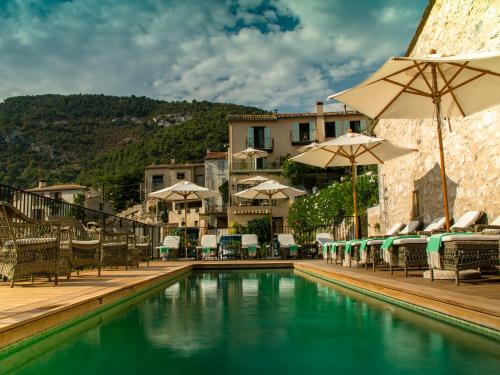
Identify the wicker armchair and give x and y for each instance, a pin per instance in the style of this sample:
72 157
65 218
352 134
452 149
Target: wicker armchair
84 245
139 249
114 249
27 247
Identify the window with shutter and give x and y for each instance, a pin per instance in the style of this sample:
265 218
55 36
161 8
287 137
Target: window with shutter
338 128
312 131
295 132
267 138
330 129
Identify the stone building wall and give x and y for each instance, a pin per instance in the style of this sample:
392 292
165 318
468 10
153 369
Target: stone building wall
472 144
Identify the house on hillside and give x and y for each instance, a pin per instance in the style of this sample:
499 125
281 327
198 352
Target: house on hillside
280 135
65 193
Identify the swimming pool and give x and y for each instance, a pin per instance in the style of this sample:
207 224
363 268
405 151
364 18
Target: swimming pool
248 322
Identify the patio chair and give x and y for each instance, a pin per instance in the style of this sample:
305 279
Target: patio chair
288 247
114 249
369 248
208 246
456 252
82 245
27 247
139 249
250 245
169 248
321 240
390 253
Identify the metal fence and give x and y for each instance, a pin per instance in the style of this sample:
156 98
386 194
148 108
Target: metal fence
39 207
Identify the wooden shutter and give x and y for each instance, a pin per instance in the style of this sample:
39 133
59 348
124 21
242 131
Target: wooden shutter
295 132
250 142
338 128
312 131
363 125
267 138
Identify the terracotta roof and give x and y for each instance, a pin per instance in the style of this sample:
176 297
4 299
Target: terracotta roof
277 116
57 188
175 166
216 155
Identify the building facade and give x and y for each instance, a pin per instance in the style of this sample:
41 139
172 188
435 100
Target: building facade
410 186
159 176
216 178
65 193
280 135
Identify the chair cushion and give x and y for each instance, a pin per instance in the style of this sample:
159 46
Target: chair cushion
473 237
411 227
394 229
467 220
355 243
375 242
405 241
435 225
89 242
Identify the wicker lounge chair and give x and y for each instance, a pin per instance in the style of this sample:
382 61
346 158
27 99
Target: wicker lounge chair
82 244
391 253
288 247
208 246
27 247
250 246
457 252
114 249
371 254
139 249
321 240
169 248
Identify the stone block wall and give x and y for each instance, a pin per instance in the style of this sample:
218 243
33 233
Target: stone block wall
471 144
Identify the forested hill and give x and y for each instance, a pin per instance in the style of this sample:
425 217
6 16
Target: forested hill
95 139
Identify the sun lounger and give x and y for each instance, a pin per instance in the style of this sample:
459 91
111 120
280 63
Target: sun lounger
461 251
288 247
390 253
250 245
208 246
169 247
321 240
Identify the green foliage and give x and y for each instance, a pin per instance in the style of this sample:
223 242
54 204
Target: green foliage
95 139
261 227
336 200
79 199
296 172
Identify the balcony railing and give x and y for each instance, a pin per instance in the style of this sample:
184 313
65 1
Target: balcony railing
252 165
304 138
265 144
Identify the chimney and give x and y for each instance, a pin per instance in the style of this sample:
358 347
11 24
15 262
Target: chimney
319 108
42 184
172 161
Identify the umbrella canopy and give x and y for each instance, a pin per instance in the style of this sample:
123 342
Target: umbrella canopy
424 87
270 190
352 149
308 147
254 180
250 153
184 191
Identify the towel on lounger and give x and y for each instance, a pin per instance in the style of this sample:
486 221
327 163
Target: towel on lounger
389 240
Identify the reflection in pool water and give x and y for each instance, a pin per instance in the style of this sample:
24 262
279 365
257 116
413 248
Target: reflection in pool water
239 322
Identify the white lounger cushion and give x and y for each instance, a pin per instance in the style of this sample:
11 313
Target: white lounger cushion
209 240
286 240
322 238
89 242
404 241
394 229
467 220
356 243
473 237
172 242
410 227
435 225
375 242
249 240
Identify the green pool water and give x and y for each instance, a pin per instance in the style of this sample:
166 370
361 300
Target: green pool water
259 322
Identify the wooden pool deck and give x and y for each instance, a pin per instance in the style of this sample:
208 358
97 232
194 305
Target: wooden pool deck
28 309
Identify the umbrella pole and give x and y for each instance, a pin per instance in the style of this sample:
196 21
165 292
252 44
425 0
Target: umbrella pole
354 198
185 226
437 103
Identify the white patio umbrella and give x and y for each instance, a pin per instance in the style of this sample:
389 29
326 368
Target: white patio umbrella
270 190
352 149
428 87
254 180
250 153
184 191
308 147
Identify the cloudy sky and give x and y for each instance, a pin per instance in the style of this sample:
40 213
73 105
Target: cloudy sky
274 54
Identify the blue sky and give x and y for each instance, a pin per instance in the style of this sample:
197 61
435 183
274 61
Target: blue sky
273 54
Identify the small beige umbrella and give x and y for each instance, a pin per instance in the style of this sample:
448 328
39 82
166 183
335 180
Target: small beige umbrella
428 87
352 149
254 180
250 153
184 191
270 190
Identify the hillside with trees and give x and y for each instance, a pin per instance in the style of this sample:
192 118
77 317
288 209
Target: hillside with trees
100 140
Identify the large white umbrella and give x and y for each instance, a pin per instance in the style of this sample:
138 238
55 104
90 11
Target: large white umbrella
250 153
308 147
270 190
428 87
184 191
352 149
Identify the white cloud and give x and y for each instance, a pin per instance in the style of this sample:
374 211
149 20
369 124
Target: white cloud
182 50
